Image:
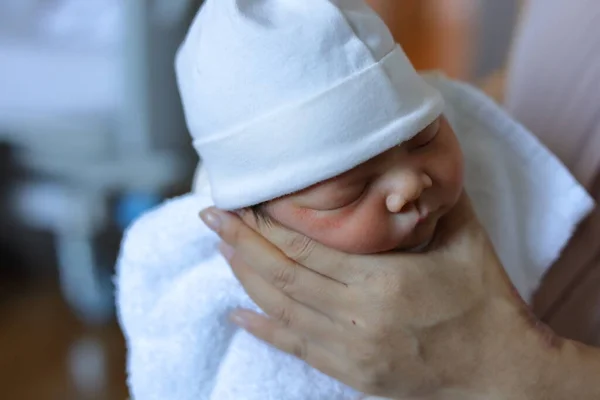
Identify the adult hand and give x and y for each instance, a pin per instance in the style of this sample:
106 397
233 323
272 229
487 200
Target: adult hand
446 323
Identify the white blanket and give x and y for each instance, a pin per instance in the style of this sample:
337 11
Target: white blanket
174 292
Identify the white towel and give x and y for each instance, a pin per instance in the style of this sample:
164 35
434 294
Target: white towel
174 292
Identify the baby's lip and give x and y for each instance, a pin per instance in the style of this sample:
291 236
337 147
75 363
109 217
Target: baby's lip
424 213
416 217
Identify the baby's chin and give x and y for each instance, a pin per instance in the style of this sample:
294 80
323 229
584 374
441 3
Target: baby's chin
420 248
421 238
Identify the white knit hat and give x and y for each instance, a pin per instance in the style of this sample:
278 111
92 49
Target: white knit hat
282 94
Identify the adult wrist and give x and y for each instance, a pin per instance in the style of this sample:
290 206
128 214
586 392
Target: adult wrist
534 363
499 351
572 371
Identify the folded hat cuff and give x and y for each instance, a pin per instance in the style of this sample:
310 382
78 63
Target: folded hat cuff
299 145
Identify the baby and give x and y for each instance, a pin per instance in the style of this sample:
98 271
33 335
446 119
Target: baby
308 113
391 202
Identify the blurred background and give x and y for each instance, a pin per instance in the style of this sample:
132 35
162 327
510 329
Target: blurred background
92 135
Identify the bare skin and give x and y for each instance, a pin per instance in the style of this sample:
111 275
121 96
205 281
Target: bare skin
446 324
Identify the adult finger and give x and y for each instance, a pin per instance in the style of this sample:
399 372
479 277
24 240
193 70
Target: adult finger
305 251
273 265
313 319
293 343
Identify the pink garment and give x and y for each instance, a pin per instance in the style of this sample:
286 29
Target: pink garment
553 88
554 81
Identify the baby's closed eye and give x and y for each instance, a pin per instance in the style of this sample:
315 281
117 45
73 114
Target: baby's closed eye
335 197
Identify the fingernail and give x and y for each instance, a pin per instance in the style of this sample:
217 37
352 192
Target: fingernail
211 219
226 250
241 318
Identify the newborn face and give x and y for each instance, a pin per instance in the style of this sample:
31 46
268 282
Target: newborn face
391 202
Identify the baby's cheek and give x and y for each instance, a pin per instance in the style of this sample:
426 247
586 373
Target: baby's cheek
354 230
454 175
360 232
456 168
449 175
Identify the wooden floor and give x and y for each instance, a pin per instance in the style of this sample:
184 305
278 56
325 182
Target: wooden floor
47 354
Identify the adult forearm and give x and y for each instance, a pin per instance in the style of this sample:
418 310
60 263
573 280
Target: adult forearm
533 363
502 352
570 372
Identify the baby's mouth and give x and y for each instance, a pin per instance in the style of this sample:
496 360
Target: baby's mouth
424 246
423 213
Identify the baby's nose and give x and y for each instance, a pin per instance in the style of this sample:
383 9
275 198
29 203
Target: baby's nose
406 192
